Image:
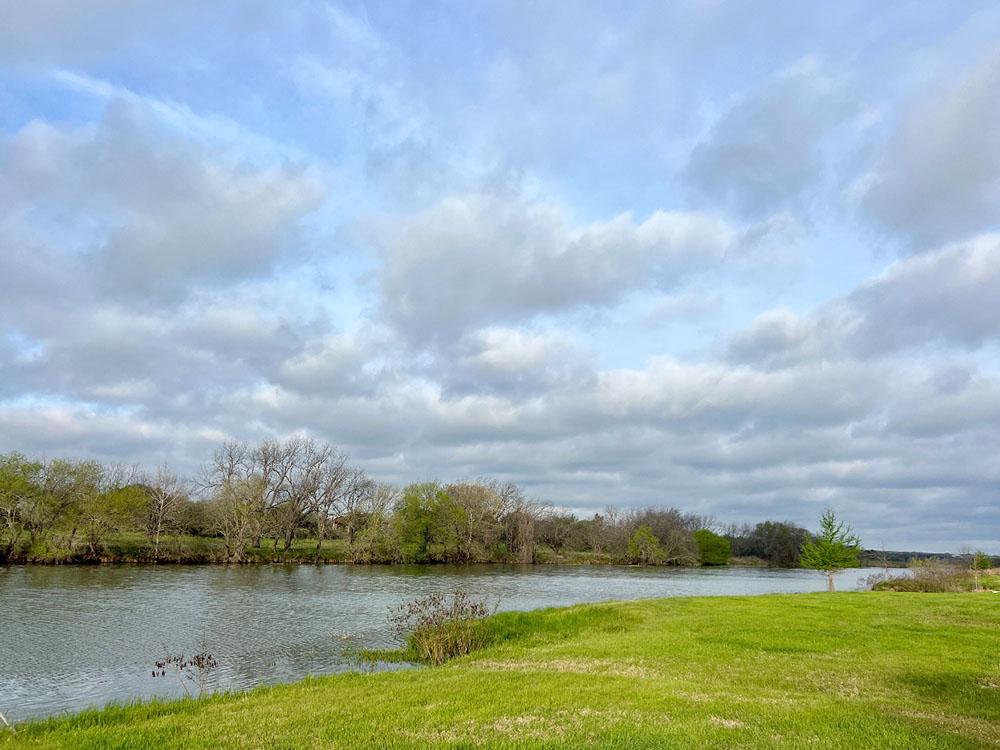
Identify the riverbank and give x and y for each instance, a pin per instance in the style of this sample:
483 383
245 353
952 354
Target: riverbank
136 548
842 670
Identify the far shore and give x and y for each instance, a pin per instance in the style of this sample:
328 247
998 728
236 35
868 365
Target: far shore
134 549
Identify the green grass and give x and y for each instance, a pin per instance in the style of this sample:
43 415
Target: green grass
135 547
885 670
990 581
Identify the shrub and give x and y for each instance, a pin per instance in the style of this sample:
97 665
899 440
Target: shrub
644 548
440 627
932 576
712 548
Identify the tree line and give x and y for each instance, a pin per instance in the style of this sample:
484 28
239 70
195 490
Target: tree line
301 499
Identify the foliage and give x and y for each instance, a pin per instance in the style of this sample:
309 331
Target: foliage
439 627
644 548
980 561
835 547
281 493
776 542
894 671
712 548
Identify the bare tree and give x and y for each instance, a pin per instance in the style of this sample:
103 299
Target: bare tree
166 495
356 500
293 480
342 497
327 491
375 542
238 490
235 514
519 514
483 509
293 469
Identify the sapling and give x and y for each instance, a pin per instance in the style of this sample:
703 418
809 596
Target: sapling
980 562
835 547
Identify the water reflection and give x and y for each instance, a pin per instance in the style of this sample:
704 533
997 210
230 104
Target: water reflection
73 637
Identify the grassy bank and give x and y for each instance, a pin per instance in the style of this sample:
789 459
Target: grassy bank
884 670
134 547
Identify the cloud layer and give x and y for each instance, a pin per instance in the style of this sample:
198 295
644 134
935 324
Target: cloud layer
560 252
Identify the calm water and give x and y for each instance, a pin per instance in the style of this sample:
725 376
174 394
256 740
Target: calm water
73 637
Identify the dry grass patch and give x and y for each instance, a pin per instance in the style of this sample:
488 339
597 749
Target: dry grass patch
536 727
964 726
726 723
602 667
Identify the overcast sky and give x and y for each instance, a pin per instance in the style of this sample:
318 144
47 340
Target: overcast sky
741 258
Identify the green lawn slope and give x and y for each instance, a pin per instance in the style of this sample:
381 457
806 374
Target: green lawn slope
852 670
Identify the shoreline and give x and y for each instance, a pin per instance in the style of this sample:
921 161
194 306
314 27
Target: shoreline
104 563
837 669
192 550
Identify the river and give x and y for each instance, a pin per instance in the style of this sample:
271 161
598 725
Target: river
73 637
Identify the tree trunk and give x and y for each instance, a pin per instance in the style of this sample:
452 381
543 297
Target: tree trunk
156 543
829 582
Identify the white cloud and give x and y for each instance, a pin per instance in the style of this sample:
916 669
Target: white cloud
150 216
945 299
181 259
939 177
485 259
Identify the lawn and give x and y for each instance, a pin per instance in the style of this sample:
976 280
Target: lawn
847 670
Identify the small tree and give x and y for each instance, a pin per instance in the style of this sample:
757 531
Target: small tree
712 548
980 562
166 493
644 548
835 547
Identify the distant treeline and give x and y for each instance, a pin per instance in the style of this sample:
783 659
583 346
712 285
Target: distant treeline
301 500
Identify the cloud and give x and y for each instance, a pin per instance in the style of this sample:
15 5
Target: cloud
185 257
764 151
510 361
950 296
946 299
939 177
147 215
47 30
479 259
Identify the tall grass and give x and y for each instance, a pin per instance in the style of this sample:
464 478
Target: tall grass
929 576
439 627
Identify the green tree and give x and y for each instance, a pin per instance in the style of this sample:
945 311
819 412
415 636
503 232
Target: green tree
980 562
776 542
428 524
644 548
446 533
712 548
835 547
21 492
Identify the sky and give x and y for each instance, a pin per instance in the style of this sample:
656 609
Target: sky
740 258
